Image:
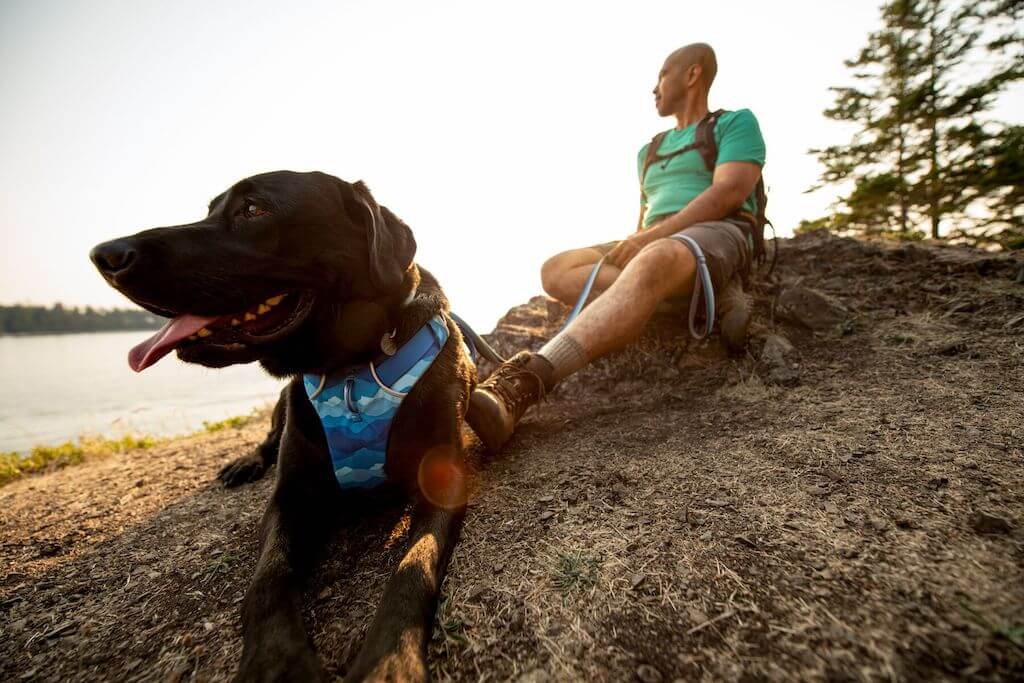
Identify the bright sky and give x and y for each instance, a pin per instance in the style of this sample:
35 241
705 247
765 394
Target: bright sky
501 133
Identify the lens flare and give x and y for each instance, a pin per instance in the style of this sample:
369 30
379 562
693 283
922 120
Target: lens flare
442 479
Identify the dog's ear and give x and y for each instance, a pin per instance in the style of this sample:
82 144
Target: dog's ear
390 241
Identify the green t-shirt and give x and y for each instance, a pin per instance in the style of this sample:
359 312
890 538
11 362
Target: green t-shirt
672 184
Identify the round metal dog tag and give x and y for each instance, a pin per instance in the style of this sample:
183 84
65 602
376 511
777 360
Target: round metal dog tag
387 343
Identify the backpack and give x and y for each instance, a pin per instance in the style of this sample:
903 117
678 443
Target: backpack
705 144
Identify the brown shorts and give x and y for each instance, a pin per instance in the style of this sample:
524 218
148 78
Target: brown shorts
724 243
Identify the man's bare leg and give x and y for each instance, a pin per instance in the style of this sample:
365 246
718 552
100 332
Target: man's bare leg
663 268
564 275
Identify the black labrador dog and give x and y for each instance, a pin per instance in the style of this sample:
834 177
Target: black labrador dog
306 274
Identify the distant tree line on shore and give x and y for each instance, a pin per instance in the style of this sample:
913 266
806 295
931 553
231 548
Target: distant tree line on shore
20 319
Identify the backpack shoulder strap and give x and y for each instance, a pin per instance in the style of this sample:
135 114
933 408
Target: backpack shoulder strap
704 139
652 153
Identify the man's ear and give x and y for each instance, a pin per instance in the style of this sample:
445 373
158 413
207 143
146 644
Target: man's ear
391 246
694 74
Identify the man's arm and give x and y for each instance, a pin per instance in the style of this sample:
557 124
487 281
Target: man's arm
731 184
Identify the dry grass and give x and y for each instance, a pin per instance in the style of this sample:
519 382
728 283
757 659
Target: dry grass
664 515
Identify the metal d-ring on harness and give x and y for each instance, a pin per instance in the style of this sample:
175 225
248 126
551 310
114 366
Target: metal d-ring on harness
703 280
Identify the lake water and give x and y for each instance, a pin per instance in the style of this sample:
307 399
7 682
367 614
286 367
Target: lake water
57 387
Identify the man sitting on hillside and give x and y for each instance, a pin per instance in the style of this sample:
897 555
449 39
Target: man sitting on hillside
680 196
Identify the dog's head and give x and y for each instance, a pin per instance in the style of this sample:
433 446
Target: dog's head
295 270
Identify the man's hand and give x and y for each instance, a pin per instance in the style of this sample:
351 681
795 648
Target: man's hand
625 250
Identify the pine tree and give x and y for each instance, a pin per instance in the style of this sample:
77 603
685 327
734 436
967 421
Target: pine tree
922 153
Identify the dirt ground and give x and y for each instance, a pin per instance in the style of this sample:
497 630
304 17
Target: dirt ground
843 503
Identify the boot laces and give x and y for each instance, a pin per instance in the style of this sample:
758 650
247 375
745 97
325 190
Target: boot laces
511 384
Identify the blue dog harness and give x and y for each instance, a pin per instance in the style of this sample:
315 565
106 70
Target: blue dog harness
357 405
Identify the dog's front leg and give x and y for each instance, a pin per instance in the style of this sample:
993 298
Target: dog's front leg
396 644
253 466
275 646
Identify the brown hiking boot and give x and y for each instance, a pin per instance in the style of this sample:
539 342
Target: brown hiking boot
499 401
734 309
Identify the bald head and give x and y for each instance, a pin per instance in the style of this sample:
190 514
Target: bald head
696 54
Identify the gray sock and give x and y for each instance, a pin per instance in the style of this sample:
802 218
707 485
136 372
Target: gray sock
565 355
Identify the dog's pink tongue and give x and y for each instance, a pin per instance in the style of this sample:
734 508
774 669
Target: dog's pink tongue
160 344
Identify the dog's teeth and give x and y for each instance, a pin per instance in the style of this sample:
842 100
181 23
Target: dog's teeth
275 300
248 317
235 322
192 337
263 308
204 332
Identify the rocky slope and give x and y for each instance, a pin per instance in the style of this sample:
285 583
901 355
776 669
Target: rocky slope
844 502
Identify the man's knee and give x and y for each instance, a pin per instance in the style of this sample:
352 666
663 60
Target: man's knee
551 271
665 263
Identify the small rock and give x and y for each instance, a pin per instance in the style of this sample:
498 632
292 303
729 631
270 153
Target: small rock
546 515
546 499
816 490
777 357
746 540
648 674
984 523
697 616
535 676
950 348
938 483
810 308
718 503
706 536
878 524
636 581
207 625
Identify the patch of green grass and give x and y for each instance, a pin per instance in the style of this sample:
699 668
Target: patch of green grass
901 339
223 563
576 572
1013 633
448 626
50 458
230 423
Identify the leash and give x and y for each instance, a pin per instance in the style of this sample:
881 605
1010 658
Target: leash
585 294
703 279
476 342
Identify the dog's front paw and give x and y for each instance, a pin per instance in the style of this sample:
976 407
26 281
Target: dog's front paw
299 664
243 470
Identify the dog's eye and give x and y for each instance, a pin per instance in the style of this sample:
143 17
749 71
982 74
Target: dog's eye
253 210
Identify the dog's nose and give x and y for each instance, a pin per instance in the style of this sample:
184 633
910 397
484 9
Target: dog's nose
113 257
